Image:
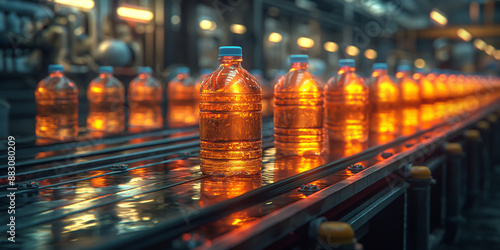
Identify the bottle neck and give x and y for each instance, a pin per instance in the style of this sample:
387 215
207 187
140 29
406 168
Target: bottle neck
227 61
344 69
144 75
379 72
56 74
402 74
299 65
182 76
105 75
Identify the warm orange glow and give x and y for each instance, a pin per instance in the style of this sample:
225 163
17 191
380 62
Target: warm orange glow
181 103
238 29
489 50
419 63
207 25
331 47
299 113
287 166
352 50
464 34
370 54
346 99
81 4
410 121
409 89
230 121
275 37
145 95
305 42
479 44
56 109
134 13
496 54
438 17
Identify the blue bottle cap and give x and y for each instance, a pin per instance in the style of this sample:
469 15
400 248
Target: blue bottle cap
145 69
55 68
230 51
347 62
183 70
380 66
299 59
256 72
403 68
106 69
205 71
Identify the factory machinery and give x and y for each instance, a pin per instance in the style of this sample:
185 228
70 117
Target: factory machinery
146 190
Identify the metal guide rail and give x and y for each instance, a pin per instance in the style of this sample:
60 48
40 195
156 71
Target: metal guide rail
136 192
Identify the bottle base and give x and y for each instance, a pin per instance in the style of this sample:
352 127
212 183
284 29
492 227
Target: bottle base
231 167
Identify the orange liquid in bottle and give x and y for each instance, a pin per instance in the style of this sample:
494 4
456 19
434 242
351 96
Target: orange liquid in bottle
57 106
181 102
106 96
267 93
145 95
384 101
427 97
346 96
231 118
299 111
442 94
410 100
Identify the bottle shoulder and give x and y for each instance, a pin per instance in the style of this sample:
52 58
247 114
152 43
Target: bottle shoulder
299 80
346 81
149 82
107 82
56 84
231 80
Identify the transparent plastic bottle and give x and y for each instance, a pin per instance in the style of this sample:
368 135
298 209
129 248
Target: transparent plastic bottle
384 102
231 118
346 97
181 102
57 106
299 111
409 92
267 92
145 96
106 97
442 93
427 98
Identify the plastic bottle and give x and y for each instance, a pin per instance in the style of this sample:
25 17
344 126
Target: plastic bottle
384 102
299 111
346 97
145 96
181 102
106 97
57 106
410 101
231 118
267 92
427 98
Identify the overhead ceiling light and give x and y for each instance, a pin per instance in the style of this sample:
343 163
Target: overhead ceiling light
238 28
305 42
489 50
135 14
370 54
352 50
81 4
331 47
208 25
438 17
479 44
275 37
419 63
464 34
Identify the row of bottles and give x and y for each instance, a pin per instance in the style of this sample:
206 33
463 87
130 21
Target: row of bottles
307 111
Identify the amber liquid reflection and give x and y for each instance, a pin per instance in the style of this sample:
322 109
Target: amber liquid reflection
57 109
181 102
346 99
231 121
299 113
287 166
215 189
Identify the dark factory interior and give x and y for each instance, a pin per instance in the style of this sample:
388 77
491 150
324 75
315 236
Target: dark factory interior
250 124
